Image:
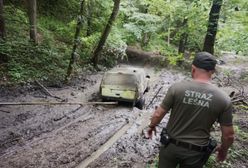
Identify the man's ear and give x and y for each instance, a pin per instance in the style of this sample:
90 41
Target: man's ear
193 69
212 72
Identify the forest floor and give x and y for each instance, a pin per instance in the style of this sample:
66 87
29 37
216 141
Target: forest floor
102 135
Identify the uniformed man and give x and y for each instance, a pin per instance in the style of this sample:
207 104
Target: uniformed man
195 105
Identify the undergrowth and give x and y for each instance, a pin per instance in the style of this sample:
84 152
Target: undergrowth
24 61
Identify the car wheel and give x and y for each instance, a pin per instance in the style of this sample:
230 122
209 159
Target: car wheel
104 99
140 103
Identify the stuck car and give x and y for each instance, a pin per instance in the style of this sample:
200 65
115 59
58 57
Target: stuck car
125 84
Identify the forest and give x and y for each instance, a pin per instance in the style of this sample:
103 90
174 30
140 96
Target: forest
169 28
58 50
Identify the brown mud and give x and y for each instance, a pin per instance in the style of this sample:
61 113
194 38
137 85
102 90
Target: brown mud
81 135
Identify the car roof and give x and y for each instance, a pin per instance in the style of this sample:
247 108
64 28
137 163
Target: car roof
129 75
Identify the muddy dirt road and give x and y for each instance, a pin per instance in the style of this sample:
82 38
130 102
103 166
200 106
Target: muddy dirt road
70 136
79 136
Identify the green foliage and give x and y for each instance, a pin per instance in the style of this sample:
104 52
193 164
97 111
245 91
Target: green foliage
61 9
158 43
232 35
211 162
174 14
175 59
28 62
140 23
100 11
154 25
169 51
117 42
88 44
137 24
154 164
244 107
115 49
16 22
61 31
234 38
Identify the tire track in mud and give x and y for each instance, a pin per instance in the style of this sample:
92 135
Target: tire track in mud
132 149
25 123
131 134
81 133
34 127
69 145
105 146
84 117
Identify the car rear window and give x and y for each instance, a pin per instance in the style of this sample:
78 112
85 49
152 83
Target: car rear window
120 79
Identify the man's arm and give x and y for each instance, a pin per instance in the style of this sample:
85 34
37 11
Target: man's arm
157 116
160 111
226 141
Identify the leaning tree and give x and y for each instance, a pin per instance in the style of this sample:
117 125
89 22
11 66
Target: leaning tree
105 34
76 41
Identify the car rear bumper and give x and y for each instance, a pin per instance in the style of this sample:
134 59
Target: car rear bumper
116 94
118 99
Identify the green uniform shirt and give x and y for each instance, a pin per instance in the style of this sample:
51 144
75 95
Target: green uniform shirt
195 106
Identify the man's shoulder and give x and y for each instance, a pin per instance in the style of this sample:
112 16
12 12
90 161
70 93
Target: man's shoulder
181 83
218 90
220 94
179 87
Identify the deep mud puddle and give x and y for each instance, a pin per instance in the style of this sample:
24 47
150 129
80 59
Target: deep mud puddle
70 136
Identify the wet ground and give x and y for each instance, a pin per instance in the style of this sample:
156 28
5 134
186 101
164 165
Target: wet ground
80 136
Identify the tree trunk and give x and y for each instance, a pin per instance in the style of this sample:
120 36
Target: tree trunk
89 17
212 26
169 28
32 14
145 39
183 38
76 41
2 22
182 43
97 51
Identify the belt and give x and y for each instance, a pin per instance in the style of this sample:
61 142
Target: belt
189 146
